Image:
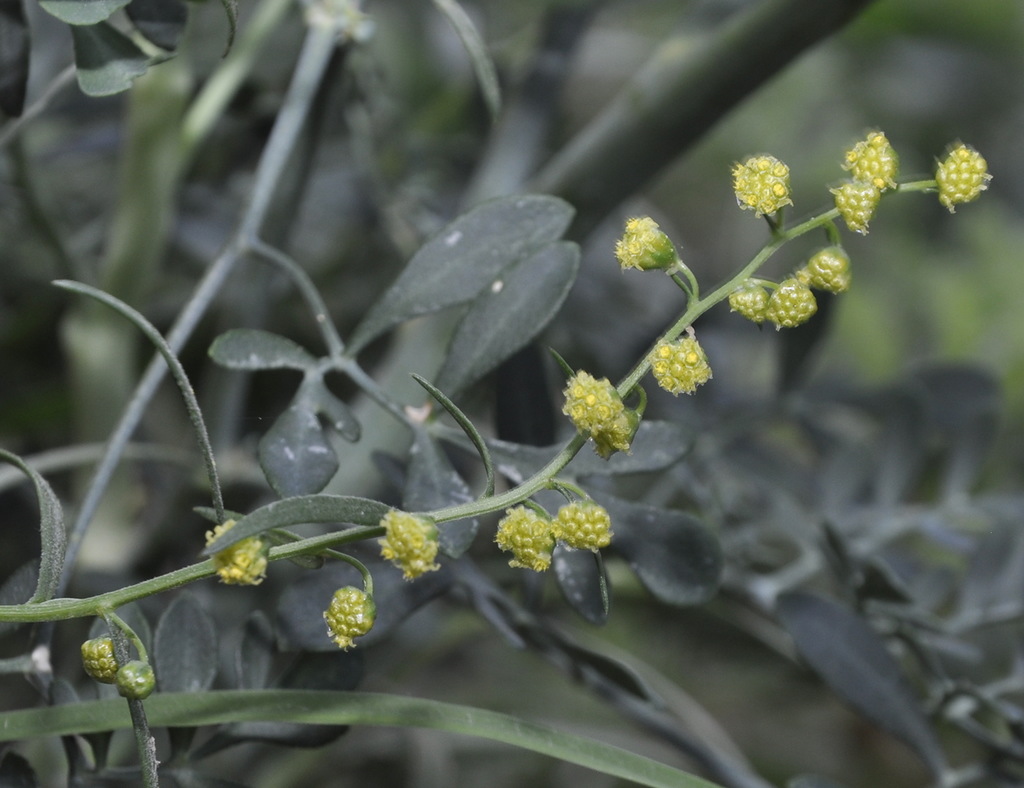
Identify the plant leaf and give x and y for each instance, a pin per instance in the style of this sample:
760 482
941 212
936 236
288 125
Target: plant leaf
673 554
185 647
656 445
161 21
14 49
464 258
295 454
508 315
302 509
853 660
51 530
334 410
16 772
255 652
483 66
82 12
582 581
350 708
251 348
106 60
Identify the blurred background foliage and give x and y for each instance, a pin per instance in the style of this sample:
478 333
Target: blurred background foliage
394 150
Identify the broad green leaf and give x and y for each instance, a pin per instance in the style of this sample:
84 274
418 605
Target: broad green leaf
483 66
51 530
349 708
464 258
161 21
250 348
82 12
14 48
106 61
304 509
295 454
510 313
853 660
581 579
432 483
675 556
185 647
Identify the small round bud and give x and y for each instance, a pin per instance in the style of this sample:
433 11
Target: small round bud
856 202
135 680
962 176
583 525
680 366
595 408
529 536
873 160
791 304
751 300
644 246
828 269
99 661
409 542
350 615
761 183
243 563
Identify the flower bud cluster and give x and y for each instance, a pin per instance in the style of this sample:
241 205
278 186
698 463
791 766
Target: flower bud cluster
409 542
961 176
350 615
761 184
135 680
530 535
243 563
99 661
873 166
597 410
644 246
680 366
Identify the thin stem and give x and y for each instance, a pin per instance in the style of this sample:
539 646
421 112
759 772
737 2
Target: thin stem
115 621
121 633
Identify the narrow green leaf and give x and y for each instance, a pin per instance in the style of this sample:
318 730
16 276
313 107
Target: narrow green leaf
562 363
82 12
464 258
231 9
250 348
349 708
51 530
467 426
106 60
14 48
510 313
161 21
185 647
304 509
483 65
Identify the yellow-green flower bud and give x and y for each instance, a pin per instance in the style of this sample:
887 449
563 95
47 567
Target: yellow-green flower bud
751 300
961 176
828 269
680 366
99 661
761 183
791 304
409 542
529 536
856 202
873 160
350 615
583 525
135 680
243 563
596 409
644 246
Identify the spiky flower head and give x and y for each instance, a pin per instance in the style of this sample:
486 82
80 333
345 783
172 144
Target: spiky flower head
644 246
962 176
856 202
529 536
596 409
680 366
350 615
243 563
828 269
751 300
409 542
761 183
583 525
99 661
791 304
873 160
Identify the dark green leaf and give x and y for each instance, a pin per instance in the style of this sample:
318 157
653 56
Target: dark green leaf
82 12
161 21
464 258
581 578
185 647
295 454
250 348
853 660
656 445
334 410
15 772
51 530
17 590
673 554
255 652
302 509
14 48
432 483
507 315
106 61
